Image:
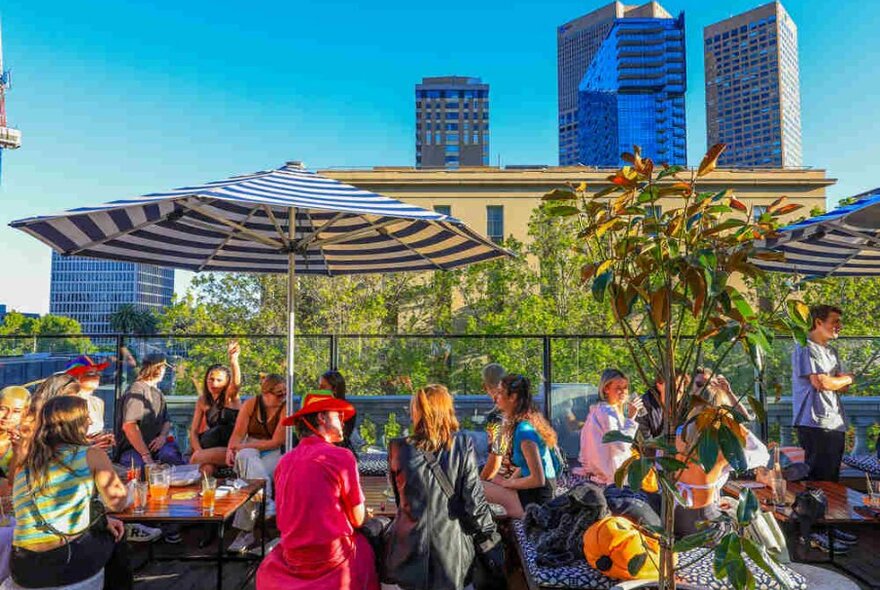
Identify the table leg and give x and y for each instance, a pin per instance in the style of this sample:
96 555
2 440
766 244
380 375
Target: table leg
263 522
221 530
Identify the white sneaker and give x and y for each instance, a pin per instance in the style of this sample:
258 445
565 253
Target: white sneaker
241 542
138 533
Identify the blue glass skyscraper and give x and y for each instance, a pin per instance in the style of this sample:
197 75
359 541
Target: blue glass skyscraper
633 94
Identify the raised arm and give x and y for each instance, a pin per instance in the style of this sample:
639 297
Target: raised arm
233 350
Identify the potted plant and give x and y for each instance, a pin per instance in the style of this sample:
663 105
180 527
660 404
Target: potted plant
674 279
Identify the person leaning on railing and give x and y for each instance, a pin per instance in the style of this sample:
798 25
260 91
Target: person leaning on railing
60 538
320 505
532 443
255 449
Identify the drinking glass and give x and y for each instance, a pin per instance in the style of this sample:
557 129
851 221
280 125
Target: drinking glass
209 495
139 498
160 482
778 487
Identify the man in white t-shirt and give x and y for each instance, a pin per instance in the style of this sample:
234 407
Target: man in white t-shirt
818 379
88 373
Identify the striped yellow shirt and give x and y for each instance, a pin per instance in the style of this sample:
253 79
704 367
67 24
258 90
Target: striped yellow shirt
63 501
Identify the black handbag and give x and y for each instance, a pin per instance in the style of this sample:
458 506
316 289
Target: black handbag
488 566
808 508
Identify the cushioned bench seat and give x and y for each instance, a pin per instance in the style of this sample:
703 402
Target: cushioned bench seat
695 567
373 463
870 464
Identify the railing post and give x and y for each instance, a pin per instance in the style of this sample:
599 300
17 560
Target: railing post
548 375
760 392
117 385
334 353
861 425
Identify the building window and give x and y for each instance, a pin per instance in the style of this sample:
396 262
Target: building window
443 209
495 222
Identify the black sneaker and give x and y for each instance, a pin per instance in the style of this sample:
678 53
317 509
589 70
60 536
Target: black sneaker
820 542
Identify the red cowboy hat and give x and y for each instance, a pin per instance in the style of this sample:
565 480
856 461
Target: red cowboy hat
314 403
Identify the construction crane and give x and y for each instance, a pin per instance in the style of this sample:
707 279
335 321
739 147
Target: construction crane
10 137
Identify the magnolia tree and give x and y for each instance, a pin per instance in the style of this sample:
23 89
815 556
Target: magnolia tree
673 279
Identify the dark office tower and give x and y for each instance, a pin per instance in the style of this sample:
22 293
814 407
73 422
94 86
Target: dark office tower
633 94
91 290
753 101
577 42
452 122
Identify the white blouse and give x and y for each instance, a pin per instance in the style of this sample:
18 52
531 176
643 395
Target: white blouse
599 459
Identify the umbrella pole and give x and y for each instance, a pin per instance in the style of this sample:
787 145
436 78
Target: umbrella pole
291 320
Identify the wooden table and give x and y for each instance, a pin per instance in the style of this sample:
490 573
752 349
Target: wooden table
374 488
189 511
842 502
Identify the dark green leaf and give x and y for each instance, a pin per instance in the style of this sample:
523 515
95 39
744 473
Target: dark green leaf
669 171
724 225
731 449
747 507
671 464
719 209
616 436
726 550
671 490
637 472
600 285
757 339
692 541
707 259
660 443
635 563
742 306
693 220
708 449
647 195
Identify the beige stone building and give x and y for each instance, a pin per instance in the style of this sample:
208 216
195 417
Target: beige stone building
498 202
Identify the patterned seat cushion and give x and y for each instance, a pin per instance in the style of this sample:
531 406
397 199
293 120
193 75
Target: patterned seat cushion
373 464
694 567
868 463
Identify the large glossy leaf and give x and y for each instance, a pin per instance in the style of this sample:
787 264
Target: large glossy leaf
757 407
747 506
798 312
732 449
613 436
659 303
759 555
562 210
621 472
758 339
710 160
707 450
637 472
669 171
724 225
635 563
671 464
699 539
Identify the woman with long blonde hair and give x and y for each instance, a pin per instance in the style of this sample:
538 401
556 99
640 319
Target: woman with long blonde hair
58 541
532 443
432 538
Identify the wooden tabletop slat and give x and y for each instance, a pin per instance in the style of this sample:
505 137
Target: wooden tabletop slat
191 509
842 500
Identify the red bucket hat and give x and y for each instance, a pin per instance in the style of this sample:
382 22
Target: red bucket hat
314 403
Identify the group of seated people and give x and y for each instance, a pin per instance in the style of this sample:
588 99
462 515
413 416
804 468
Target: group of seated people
55 459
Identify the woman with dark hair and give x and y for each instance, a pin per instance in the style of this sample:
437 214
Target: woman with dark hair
320 506
532 443
58 541
333 381
432 538
215 413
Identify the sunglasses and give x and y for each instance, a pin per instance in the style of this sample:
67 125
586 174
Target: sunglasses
278 393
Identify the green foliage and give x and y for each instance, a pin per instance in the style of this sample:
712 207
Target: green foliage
51 329
130 319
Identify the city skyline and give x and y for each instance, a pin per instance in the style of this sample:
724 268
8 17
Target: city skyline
452 122
109 116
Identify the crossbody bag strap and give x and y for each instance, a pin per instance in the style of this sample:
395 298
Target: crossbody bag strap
439 474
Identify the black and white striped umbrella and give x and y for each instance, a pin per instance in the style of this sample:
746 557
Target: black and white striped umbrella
844 242
287 220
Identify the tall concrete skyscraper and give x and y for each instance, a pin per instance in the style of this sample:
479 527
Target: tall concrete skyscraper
753 101
577 42
452 122
91 290
633 94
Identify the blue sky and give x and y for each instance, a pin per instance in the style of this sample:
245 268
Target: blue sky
121 98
